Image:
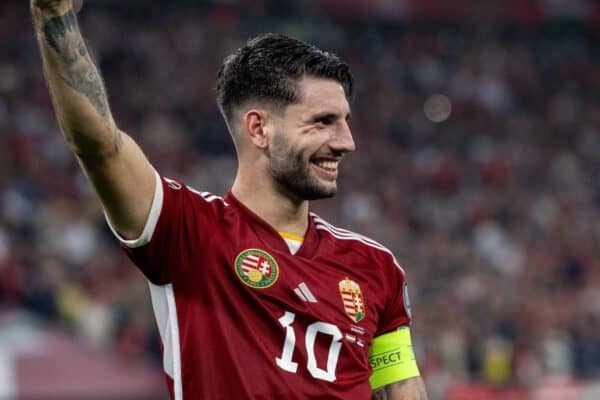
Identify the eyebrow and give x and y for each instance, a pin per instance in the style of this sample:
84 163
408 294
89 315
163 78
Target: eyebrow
328 115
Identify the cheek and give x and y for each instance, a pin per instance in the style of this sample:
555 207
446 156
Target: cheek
293 151
296 151
283 155
278 146
296 157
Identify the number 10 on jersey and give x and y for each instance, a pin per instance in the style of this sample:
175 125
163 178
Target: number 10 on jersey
285 360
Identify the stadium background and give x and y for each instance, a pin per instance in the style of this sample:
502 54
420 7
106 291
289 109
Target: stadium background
478 164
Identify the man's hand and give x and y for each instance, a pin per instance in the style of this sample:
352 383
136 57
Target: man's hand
409 389
55 7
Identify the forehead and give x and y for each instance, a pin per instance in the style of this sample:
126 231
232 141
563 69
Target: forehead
317 95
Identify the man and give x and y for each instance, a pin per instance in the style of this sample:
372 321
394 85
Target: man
255 297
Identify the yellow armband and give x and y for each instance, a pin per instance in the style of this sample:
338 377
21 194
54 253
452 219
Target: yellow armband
392 358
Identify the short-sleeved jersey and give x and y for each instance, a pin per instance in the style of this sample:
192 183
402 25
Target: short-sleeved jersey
241 317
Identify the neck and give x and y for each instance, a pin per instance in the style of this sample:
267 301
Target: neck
282 212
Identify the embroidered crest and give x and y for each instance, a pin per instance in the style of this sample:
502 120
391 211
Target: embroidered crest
353 300
256 268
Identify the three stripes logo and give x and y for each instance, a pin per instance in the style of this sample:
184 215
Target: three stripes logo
304 293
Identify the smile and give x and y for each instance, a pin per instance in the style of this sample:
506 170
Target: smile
326 168
328 165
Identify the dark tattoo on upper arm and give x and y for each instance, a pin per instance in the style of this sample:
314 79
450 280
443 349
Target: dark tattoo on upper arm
57 27
63 36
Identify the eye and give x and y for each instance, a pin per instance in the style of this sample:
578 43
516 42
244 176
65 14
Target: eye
324 119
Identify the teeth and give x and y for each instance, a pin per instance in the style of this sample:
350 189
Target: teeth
332 165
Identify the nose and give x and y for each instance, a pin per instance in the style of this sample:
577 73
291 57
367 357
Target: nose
342 141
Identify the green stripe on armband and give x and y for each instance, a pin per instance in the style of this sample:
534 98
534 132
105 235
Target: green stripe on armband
392 358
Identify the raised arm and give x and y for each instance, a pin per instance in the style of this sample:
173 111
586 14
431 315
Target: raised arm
114 163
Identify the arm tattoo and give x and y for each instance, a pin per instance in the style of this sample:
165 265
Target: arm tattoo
63 36
404 390
385 392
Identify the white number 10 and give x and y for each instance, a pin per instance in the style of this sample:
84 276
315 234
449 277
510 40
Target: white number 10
285 361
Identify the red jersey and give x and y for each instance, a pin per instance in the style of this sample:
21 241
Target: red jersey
241 317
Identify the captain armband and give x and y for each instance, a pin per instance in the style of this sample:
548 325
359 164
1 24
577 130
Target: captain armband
392 358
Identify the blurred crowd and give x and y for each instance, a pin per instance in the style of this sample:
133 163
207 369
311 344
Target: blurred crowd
478 164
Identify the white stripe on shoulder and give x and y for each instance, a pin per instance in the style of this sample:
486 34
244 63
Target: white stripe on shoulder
173 184
207 196
344 234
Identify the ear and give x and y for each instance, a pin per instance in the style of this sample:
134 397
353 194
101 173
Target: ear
255 125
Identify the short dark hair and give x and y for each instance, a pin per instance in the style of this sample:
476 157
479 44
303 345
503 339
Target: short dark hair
267 69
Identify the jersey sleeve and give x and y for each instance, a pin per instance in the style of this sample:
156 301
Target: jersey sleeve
178 217
397 304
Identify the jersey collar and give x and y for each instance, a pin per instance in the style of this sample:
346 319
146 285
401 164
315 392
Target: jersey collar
270 235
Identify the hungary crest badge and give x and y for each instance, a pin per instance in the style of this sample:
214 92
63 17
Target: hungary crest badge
353 300
256 268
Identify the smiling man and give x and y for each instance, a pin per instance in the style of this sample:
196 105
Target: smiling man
255 297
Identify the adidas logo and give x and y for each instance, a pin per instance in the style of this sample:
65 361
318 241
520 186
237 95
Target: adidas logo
304 293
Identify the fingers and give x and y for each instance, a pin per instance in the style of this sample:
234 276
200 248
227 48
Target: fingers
57 4
55 7
77 4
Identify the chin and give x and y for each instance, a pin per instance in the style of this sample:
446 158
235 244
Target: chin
321 192
304 186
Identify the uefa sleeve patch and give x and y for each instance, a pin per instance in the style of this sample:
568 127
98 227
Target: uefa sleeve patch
256 268
392 358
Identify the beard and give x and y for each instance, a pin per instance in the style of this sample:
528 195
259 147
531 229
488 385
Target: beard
290 168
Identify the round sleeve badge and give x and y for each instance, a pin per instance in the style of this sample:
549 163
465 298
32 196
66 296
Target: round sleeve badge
256 268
